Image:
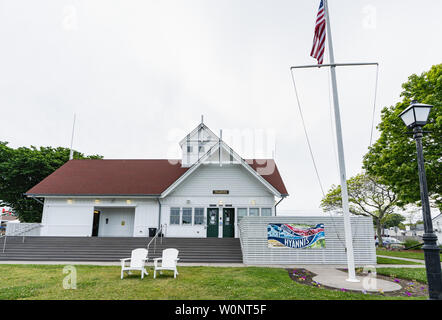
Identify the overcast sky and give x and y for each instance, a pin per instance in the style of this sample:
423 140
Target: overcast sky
139 75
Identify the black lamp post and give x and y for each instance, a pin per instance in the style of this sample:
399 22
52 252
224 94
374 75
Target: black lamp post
415 117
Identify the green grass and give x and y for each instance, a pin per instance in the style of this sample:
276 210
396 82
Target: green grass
213 283
418 274
381 260
401 254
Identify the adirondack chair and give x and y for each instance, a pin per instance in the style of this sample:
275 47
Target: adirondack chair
137 262
169 261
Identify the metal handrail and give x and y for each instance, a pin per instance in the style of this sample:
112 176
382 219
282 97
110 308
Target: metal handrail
18 232
154 239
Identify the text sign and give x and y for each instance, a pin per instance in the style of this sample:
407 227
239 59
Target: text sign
220 191
295 236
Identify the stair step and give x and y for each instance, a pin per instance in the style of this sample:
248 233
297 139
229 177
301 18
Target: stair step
227 250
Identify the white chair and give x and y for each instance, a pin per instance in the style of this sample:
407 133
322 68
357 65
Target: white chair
169 261
137 262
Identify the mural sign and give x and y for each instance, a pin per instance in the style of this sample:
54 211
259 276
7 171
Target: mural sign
295 236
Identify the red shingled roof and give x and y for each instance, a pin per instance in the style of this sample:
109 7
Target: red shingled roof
128 177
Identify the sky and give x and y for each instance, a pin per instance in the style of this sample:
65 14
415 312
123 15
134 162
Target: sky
139 75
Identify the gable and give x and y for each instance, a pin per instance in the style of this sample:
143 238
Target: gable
232 177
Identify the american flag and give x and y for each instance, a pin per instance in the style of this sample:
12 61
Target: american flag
319 38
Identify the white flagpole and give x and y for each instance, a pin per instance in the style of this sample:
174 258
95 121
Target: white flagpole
344 192
71 153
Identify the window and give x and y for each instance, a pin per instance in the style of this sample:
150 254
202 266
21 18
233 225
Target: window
189 149
199 216
254 212
201 148
266 212
174 216
242 212
187 215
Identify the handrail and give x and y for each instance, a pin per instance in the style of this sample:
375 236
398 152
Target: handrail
154 239
240 235
18 232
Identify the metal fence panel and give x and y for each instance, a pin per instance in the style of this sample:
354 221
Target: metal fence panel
253 235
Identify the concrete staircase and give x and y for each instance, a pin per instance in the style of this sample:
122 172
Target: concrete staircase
225 250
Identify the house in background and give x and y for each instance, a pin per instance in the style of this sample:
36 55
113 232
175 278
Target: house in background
5 220
204 194
437 227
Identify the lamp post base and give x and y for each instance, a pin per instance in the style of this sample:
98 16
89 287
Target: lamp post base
433 266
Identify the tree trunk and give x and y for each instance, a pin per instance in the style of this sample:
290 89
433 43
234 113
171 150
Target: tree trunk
379 233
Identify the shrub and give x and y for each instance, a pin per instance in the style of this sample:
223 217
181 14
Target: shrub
410 243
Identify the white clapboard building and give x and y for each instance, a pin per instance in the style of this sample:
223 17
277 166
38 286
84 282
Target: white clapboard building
204 194
437 226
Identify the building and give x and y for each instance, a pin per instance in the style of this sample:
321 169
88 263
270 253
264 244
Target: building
204 194
5 220
437 226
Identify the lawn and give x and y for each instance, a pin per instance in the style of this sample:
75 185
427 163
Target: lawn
415 254
195 283
381 260
418 274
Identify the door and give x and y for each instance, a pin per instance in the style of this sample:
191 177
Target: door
116 222
95 223
228 223
212 222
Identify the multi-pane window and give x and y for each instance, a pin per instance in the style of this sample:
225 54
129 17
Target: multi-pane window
189 149
187 215
174 215
199 216
254 212
242 212
266 212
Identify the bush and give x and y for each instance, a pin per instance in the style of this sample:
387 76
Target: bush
410 243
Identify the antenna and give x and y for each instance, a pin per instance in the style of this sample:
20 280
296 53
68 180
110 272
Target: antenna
219 147
274 151
202 118
71 153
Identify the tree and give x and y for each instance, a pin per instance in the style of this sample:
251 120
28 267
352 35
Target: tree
367 197
393 220
22 168
393 157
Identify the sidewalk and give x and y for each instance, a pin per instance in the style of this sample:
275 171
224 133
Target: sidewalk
334 278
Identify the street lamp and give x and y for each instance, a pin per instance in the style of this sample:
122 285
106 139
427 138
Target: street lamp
415 117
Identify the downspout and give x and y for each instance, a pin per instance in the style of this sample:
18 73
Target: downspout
283 197
159 213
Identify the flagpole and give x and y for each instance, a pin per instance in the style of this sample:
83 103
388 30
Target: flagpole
71 153
344 191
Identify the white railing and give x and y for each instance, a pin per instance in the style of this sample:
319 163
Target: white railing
14 228
154 239
21 229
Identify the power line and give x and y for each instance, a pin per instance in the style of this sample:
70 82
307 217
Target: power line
306 134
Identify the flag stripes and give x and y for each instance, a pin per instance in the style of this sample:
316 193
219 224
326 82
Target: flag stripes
319 38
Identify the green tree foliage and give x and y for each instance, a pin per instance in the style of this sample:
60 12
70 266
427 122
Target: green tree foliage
23 168
367 197
393 156
393 220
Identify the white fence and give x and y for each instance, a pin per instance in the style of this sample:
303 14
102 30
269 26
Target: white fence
23 229
253 234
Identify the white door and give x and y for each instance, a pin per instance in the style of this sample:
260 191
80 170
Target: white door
116 222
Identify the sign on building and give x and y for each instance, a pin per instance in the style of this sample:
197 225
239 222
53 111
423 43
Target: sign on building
295 236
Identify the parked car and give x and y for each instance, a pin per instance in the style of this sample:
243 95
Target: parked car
390 242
